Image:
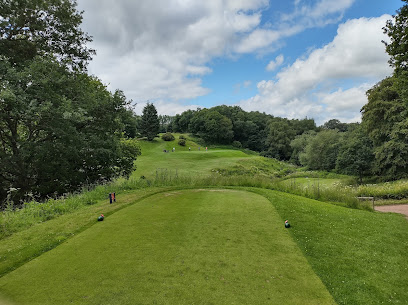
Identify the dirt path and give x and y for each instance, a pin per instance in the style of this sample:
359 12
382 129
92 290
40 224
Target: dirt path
398 208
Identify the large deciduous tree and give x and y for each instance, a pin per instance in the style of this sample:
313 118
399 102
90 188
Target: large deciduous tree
212 126
59 127
278 141
149 123
397 30
356 154
385 116
58 130
321 151
30 28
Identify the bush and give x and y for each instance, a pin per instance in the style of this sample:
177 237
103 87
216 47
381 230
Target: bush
237 144
182 142
167 137
182 137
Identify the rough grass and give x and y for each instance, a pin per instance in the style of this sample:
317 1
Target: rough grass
388 190
178 247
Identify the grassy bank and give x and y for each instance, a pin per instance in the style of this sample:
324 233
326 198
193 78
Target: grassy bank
360 256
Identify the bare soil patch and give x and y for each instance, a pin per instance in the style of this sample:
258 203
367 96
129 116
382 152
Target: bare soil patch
397 208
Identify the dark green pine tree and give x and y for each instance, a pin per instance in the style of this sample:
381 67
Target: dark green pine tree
150 124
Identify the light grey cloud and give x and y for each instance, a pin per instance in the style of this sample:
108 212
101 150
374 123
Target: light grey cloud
160 49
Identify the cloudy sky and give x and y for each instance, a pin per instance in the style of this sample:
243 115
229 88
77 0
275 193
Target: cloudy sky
294 58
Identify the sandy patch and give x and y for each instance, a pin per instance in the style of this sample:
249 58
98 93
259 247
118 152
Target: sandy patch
398 208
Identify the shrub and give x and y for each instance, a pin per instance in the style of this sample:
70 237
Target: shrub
237 144
182 142
167 137
182 137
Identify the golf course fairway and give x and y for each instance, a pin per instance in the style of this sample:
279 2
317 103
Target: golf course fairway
203 246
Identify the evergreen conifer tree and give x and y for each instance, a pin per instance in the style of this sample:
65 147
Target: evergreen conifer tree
149 125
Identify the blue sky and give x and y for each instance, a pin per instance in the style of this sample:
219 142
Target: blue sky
295 59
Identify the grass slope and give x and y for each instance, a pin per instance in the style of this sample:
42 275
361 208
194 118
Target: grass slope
360 256
27 244
195 162
180 247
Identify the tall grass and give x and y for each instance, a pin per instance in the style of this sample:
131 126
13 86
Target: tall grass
336 193
387 190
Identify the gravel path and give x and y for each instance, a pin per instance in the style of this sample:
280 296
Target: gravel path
398 208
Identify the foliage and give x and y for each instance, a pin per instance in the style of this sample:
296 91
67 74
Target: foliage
397 31
226 124
385 118
129 120
335 124
212 126
182 142
149 123
43 28
298 145
58 129
322 150
237 144
129 150
278 141
383 110
166 123
167 136
356 154
181 122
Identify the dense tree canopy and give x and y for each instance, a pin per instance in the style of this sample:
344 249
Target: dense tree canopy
356 154
322 150
335 124
397 31
298 145
385 116
278 140
43 27
60 128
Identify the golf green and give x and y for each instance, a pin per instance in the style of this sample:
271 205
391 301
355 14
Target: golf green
184 247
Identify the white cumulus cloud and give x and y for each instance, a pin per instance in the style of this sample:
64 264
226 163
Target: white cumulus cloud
273 64
319 85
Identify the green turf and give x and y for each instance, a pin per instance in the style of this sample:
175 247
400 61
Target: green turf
179 247
360 256
182 161
27 244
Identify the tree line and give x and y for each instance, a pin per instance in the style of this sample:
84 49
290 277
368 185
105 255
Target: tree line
60 128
